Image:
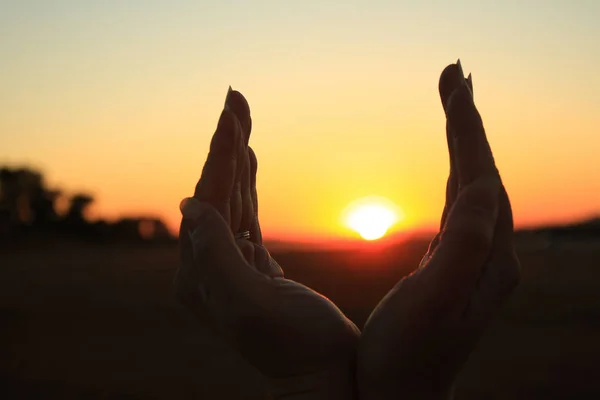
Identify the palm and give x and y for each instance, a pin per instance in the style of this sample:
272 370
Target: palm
300 333
296 337
422 332
307 335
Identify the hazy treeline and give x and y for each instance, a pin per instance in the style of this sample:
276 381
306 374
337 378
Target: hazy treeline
28 207
588 229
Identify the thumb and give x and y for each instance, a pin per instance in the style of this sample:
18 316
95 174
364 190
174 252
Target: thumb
227 285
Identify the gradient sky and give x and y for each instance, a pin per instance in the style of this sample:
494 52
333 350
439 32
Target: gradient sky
120 98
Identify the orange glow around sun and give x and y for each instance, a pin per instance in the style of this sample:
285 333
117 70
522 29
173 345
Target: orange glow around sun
372 217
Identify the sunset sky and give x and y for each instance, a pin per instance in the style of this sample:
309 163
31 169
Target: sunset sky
120 99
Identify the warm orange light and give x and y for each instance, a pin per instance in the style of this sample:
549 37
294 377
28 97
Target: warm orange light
372 217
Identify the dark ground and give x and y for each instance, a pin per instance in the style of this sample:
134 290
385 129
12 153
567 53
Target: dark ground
100 322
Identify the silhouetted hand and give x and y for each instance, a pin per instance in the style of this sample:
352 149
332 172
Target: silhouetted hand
297 338
422 332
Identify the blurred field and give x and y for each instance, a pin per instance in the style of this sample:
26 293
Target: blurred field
100 322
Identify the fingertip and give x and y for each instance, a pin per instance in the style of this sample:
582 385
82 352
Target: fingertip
237 103
237 99
183 204
450 79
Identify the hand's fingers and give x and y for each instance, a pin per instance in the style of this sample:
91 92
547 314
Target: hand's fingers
258 257
504 235
218 175
247 206
229 285
255 232
239 105
451 78
248 220
508 275
451 193
247 249
472 151
431 249
235 201
466 242
265 263
261 259
502 272
235 195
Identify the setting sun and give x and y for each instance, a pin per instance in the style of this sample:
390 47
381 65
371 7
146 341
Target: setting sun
372 217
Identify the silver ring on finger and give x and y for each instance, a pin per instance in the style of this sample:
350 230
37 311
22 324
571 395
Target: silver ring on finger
242 235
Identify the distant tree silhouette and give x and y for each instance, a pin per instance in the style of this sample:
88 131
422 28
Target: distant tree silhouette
25 199
78 205
146 229
27 205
